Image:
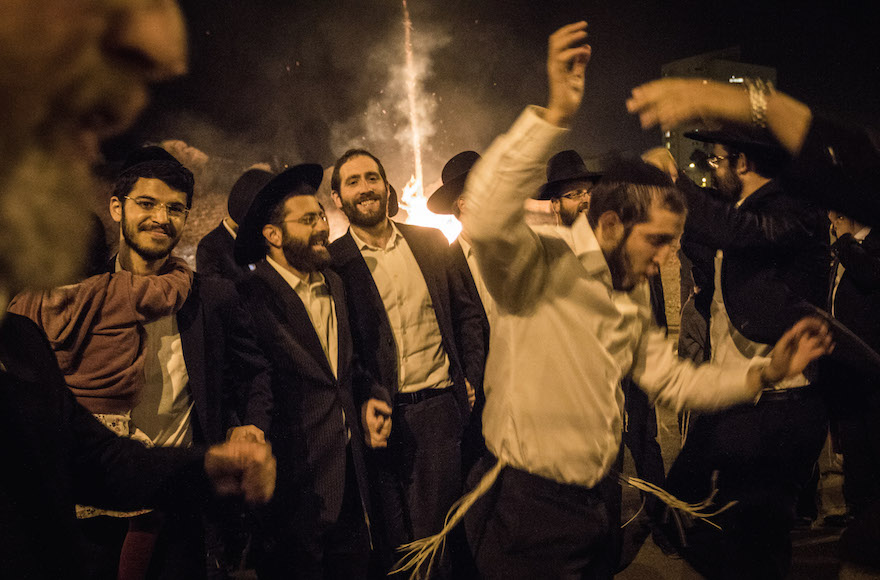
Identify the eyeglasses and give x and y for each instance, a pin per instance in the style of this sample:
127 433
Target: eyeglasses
173 210
715 160
577 194
310 219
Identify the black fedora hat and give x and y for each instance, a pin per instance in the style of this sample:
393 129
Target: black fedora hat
244 191
249 247
562 167
746 139
454 175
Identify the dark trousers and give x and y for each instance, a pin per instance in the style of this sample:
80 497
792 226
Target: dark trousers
418 477
297 550
530 527
179 553
763 455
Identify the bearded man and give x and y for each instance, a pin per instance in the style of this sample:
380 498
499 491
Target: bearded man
397 281
574 318
71 74
317 526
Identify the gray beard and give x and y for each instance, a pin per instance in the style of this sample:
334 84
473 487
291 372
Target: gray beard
45 202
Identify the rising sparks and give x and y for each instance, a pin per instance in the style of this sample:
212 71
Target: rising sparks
413 199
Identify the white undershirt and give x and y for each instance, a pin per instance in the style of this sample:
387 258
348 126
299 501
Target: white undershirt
164 409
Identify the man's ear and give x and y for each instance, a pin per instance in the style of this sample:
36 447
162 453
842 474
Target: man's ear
743 165
273 235
116 209
609 230
337 199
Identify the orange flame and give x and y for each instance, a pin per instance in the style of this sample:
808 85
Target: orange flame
414 202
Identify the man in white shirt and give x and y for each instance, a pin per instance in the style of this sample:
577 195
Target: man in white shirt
397 286
317 525
573 318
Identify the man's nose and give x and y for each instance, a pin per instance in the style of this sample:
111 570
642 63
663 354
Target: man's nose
150 37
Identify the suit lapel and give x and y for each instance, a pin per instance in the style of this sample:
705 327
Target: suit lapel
291 313
425 257
191 326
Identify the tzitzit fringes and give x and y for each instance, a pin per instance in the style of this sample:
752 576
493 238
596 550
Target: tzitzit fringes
695 510
635 515
422 553
685 426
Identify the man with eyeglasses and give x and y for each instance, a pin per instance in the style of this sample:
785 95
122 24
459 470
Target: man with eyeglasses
568 186
768 251
206 380
317 525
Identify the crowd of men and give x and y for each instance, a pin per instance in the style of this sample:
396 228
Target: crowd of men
388 374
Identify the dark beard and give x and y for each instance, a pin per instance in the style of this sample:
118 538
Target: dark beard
301 255
357 218
731 188
149 254
620 267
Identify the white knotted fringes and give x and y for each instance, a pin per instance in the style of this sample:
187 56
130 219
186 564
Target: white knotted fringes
424 551
635 515
695 510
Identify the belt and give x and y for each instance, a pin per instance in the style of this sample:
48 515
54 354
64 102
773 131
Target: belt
539 484
793 394
419 396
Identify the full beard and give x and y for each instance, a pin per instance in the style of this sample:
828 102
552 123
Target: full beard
366 218
129 234
303 256
619 264
45 200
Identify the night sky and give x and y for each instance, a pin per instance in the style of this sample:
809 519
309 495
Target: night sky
289 82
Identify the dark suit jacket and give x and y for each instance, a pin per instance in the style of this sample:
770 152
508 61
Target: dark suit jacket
469 317
775 255
857 301
229 377
371 330
55 454
214 256
308 435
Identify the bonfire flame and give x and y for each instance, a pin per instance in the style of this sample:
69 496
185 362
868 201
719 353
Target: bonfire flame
413 200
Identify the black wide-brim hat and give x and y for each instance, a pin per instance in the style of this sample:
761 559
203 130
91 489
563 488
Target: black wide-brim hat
242 194
249 246
453 176
746 139
563 167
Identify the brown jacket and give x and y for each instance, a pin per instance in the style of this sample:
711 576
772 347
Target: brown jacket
96 329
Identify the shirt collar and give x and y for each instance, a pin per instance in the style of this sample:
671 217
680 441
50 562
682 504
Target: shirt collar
228 229
316 279
586 248
466 248
362 245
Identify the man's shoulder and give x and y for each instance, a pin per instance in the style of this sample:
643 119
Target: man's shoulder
218 235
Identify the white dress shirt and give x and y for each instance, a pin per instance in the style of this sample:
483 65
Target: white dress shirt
316 298
485 297
562 338
422 362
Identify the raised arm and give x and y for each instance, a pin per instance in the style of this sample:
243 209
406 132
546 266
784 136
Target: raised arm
156 296
674 102
508 252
